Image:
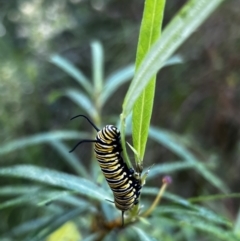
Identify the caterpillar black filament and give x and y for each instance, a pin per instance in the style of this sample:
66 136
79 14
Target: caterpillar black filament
123 181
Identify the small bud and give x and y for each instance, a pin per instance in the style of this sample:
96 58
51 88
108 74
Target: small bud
167 180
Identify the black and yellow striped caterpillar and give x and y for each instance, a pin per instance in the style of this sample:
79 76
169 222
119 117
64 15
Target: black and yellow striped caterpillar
123 181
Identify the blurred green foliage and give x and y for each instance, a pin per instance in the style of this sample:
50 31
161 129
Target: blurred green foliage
46 49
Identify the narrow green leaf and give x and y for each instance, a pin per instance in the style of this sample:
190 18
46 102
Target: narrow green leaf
115 80
41 138
198 209
144 236
173 143
28 226
39 197
98 63
16 190
69 68
91 237
173 198
83 101
49 196
123 141
212 225
70 159
168 167
19 201
215 231
213 197
125 74
55 178
72 200
175 59
110 236
142 111
186 21
237 224
133 150
203 214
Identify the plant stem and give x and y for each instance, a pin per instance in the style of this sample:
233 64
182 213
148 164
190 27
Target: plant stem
123 142
166 181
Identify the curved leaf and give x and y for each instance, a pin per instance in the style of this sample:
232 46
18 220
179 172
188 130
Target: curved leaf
237 225
69 68
198 210
184 23
125 74
173 143
17 189
70 159
115 80
97 63
83 101
41 138
175 59
167 168
28 226
203 214
142 110
213 197
92 237
54 178
38 197
215 231
144 236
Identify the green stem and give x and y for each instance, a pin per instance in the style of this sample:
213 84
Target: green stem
123 141
156 201
166 181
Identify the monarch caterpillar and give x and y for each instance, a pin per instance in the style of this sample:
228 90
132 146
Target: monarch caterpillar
123 181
